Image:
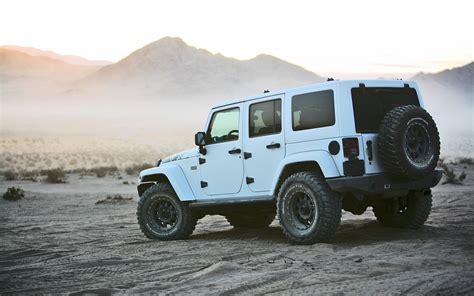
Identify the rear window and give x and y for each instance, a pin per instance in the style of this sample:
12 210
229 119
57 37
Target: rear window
372 103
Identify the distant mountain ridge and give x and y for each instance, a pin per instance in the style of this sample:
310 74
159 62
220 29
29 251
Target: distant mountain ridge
69 59
23 75
460 79
171 68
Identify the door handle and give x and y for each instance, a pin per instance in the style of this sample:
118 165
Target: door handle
235 151
370 150
273 146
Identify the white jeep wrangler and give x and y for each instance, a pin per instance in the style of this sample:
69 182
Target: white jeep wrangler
305 154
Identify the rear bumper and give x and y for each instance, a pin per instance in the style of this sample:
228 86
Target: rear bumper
380 183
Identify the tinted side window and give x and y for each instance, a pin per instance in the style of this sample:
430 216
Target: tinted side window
224 126
313 110
265 118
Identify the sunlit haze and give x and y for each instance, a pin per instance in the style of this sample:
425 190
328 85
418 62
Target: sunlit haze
343 38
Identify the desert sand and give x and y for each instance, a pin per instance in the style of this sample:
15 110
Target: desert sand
58 240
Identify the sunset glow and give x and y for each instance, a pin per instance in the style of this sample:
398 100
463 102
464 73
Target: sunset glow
326 37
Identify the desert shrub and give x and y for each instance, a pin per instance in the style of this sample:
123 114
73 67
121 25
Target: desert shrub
450 175
115 199
14 193
465 160
441 161
133 170
10 175
105 170
55 175
29 175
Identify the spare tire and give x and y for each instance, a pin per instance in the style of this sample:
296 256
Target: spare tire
408 143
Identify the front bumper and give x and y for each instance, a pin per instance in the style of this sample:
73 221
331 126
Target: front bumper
380 183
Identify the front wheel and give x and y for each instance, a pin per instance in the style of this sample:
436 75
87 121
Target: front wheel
308 210
409 211
161 215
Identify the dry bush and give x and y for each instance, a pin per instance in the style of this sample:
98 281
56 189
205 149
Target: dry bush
10 175
116 199
54 175
14 193
133 170
29 175
465 160
105 170
100 172
451 177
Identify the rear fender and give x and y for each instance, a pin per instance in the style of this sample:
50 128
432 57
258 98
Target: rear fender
322 158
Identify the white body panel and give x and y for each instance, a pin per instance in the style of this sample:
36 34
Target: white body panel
176 177
223 172
263 161
226 173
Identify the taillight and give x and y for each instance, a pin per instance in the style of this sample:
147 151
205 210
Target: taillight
351 147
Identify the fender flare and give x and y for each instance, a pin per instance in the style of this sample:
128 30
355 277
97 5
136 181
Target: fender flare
322 158
175 176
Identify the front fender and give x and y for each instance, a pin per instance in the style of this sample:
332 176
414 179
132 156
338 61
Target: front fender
322 158
175 176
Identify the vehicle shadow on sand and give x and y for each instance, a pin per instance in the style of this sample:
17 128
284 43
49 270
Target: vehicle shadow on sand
350 232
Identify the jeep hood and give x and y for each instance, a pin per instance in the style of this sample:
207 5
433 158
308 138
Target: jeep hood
181 155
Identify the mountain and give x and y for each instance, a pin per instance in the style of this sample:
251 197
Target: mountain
449 87
23 75
69 59
169 68
449 97
460 79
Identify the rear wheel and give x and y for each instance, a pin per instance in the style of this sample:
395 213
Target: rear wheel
308 210
161 215
251 220
409 211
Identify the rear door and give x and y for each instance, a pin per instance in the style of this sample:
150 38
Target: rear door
264 145
372 163
370 104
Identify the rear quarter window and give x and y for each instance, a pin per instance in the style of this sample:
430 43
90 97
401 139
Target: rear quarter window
313 110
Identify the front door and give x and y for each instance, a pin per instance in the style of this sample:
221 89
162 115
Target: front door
264 142
222 168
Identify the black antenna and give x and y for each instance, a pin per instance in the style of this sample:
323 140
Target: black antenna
266 91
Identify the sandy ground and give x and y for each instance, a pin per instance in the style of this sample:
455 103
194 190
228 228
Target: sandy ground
57 240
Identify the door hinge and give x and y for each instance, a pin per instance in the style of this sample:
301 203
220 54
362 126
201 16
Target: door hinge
247 155
202 160
250 180
203 184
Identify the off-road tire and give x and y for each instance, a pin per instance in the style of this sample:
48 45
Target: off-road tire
251 220
185 220
327 203
415 212
402 133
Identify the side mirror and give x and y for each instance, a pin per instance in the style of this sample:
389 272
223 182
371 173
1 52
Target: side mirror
200 140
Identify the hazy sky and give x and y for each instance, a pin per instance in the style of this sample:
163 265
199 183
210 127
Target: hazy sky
327 37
